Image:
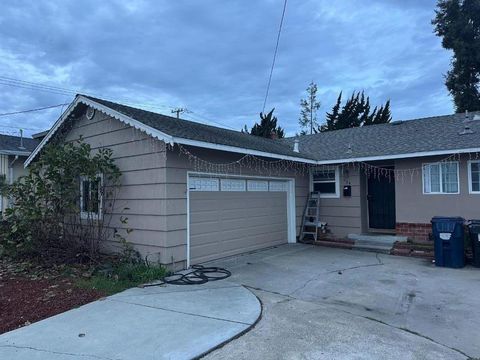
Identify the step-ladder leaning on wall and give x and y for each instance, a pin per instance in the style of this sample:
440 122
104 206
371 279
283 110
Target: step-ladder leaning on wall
311 218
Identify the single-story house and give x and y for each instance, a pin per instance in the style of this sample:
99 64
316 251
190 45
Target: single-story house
14 150
196 192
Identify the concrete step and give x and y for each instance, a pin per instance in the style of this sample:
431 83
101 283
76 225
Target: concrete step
373 248
334 244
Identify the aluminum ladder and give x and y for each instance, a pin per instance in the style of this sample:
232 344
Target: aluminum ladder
311 220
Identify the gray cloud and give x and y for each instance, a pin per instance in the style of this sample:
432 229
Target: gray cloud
214 56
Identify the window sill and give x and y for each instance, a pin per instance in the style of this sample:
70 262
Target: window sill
328 196
90 216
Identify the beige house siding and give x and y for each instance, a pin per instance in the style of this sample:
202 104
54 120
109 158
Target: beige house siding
141 197
412 206
178 166
344 214
153 192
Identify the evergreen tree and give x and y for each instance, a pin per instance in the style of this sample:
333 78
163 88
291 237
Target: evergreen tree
308 112
457 22
267 128
355 113
332 117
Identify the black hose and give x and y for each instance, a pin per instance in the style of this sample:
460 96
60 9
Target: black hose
197 275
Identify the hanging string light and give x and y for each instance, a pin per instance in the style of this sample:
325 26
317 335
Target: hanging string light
280 167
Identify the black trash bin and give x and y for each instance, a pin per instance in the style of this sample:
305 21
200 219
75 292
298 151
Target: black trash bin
474 231
448 237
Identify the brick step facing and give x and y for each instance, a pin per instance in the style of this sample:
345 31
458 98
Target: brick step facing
401 248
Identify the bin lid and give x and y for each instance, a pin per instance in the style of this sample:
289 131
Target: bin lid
447 218
474 222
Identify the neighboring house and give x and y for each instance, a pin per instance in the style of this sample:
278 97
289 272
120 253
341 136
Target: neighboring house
195 192
14 150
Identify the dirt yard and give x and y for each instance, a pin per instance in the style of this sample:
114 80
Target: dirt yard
29 294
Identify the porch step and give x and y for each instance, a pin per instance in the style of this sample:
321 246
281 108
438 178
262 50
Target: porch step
414 249
372 248
334 244
375 242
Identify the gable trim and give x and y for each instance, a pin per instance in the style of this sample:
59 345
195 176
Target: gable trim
106 110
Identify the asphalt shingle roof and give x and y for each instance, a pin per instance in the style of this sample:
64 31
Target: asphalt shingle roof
195 131
403 137
438 133
12 144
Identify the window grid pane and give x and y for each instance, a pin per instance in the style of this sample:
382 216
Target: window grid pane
435 178
449 178
475 176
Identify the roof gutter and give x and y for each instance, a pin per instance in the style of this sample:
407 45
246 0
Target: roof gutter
399 156
234 149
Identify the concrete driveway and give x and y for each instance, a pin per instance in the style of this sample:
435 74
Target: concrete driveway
322 303
171 322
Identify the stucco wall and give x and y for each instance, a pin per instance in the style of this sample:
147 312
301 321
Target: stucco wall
344 214
412 206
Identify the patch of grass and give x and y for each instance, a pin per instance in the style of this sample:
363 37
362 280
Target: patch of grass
121 277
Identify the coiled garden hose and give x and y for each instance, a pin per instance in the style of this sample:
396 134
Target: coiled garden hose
197 275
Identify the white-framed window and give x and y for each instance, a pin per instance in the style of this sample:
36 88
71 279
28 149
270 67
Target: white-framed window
91 198
203 184
233 185
326 182
474 177
257 185
441 178
277 186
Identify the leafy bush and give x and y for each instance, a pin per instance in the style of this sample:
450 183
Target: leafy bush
45 218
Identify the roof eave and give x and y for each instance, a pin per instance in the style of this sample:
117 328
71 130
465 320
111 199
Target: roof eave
399 156
152 132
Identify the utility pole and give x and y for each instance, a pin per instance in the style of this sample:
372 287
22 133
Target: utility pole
179 111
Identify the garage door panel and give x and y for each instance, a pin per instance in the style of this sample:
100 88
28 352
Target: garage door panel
206 216
228 223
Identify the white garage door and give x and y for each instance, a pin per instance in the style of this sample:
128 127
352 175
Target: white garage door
235 215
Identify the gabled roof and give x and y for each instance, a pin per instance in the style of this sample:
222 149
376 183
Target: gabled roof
12 145
179 131
400 139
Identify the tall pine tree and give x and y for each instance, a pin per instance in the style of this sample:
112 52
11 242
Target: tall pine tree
267 128
355 113
457 22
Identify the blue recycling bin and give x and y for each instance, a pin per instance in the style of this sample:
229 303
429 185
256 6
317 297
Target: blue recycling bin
448 237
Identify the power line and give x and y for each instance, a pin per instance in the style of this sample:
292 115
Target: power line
275 54
32 110
8 81
203 118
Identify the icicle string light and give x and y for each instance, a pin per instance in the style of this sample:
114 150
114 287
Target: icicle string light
283 167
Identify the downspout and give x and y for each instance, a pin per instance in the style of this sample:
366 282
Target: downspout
10 180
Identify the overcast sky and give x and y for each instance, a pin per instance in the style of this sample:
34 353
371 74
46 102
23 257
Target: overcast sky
214 56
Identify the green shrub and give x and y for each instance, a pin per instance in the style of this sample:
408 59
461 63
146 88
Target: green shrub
45 218
123 276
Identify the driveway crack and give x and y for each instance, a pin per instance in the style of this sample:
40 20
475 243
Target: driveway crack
57 352
412 332
340 271
181 312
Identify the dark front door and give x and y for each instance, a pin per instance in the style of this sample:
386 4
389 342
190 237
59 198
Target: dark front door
381 201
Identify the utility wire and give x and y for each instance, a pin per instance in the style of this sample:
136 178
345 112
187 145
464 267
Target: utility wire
31 110
274 55
9 81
